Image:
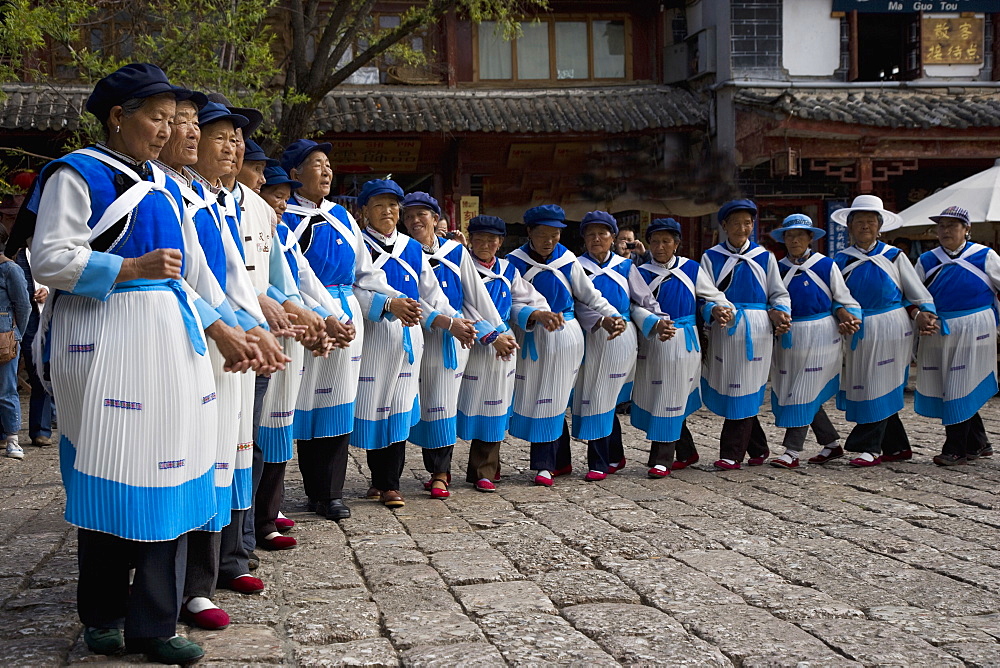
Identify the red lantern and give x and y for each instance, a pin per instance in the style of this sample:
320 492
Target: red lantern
24 179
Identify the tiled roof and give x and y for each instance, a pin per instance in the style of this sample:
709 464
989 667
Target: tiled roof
618 109
917 108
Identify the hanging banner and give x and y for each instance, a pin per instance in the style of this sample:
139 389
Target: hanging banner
913 6
836 235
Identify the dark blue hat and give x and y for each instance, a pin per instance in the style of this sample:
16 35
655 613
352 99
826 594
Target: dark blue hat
661 224
254 116
213 111
253 151
297 152
378 187
797 221
546 214
417 198
601 218
737 205
276 176
136 80
490 224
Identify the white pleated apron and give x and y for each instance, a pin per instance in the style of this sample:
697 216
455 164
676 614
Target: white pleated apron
806 374
278 408
876 371
229 388
438 390
608 365
485 396
738 365
667 382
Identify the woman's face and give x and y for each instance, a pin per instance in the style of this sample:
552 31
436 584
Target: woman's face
277 196
420 223
217 150
663 246
315 175
544 238
181 150
797 241
485 245
738 227
864 227
143 134
598 239
252 175
951 233
241 149
382 213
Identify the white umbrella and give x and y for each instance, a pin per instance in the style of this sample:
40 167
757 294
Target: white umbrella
979 195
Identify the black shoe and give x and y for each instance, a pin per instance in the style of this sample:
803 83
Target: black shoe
336 510
172 651
311 506
950 460
985 451
253 563
104 641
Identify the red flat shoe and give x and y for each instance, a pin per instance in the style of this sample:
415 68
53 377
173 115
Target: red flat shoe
427 484
835 453
246 585
496 478
213 619
543 481
658 473
284 524
439 492
594 476
759 461
861 463
900 456
684 463
780 463
484 485
278 543
566 470
726 466
615 468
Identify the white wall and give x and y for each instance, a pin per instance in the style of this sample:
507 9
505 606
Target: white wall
810 38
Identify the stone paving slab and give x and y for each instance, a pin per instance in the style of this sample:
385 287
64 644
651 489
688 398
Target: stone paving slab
821 566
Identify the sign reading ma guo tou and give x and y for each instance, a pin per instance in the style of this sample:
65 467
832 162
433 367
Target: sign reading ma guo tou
909 6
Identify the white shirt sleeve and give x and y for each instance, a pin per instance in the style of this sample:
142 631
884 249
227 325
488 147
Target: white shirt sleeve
912 286
777 294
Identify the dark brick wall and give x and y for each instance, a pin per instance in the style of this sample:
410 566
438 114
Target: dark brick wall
756 37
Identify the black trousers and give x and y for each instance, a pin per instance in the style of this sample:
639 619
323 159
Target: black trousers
323 463
234 557
202 572
270 495
150 606
484 460
886 436
602 452
662 453
965 438
386 465
795 437
249 535
552 455
742 437
438 460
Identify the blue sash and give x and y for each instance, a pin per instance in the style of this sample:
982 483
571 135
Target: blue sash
529 339
945 316
860 334
187 313
688 324
740 308
343 291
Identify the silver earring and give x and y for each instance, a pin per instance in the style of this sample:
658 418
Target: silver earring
118 129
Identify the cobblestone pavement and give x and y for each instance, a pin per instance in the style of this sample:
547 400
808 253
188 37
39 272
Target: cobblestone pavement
822 566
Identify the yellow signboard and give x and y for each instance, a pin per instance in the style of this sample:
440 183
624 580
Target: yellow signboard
379 156
952 41
468 208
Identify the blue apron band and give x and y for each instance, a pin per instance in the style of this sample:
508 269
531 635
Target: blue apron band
687 323
860 334
448 353
945 316
529 339
408 344
187 313
342 291
740 308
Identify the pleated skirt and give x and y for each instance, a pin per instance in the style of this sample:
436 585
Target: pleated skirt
387 406
229 388
806 375
277 413
542 387
438 391
958 372
876 371
486 395
605 380
666 389
732 386
138 412
243 471
325 405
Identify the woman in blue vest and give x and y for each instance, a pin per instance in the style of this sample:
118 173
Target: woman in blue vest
550 361
739 355
123 336
444 360
488 382
605 378
877 362
958 365
668 370
806 368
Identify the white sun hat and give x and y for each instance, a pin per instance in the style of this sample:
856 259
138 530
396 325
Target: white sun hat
890 220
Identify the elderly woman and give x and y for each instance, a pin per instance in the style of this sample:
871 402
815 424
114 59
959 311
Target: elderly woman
550 360
443 361
387 405
668 371
605 378
488 382
127 358
739 358
331 241
877 364
958 367
806 369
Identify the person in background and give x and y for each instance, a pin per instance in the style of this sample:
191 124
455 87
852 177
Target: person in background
40 406
905 245
14 312
629 247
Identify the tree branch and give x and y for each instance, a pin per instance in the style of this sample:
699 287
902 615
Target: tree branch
346 38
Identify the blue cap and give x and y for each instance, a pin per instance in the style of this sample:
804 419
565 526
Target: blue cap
490 224
737 205
253 151
297 152
136 80
378 187
417 198
277 176
600 217
213 111
797 221
661 224
546 214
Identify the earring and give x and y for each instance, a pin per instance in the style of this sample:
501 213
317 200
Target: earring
118 129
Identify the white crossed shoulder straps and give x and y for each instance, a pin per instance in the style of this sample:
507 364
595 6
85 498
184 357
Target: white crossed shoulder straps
609 271
878 259
806 268
538 267
398 246
732 259
663 273
963 262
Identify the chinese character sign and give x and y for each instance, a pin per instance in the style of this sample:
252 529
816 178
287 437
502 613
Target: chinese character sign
951 41
836 235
